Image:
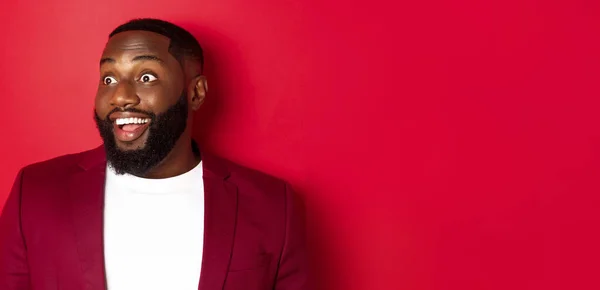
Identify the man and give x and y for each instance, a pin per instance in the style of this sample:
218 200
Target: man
148 209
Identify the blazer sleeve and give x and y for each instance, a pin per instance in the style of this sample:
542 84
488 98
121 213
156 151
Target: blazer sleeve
293 270
14 270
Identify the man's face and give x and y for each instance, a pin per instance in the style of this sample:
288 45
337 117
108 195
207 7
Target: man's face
141 106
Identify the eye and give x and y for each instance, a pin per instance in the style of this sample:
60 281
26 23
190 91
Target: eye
146 78
109 81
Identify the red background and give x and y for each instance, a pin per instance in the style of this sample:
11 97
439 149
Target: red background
438 144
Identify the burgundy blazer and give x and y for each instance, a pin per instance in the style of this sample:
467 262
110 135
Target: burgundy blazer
51 228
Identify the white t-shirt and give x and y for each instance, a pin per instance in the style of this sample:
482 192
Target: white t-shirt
153 231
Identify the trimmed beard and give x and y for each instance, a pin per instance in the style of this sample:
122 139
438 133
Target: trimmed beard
163 132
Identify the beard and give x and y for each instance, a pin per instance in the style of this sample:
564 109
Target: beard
163 132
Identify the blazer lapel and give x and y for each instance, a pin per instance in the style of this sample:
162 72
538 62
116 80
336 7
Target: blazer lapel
220 216
86 190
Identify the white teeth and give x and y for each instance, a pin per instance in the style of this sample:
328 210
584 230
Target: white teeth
125 121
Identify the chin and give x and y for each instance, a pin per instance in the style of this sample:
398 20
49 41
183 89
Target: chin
130 146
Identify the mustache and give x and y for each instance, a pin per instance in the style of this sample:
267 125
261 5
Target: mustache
150 115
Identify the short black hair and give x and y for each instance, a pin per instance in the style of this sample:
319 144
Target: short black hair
183 43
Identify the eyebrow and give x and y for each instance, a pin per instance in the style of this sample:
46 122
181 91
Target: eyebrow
106 60
137 58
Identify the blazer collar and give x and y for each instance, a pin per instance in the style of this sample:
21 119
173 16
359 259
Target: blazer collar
93 158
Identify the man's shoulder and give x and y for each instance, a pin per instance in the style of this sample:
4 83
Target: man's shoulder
243 175
61 165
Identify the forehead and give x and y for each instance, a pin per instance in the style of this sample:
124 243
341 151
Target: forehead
137 41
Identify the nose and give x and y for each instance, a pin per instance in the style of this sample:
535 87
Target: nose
124 96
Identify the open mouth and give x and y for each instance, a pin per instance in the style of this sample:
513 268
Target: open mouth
130 129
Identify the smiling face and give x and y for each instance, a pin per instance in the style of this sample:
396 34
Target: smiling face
138 76
141 106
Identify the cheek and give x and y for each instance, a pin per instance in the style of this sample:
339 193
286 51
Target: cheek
156 99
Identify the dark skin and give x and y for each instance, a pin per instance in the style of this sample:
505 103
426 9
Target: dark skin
137 71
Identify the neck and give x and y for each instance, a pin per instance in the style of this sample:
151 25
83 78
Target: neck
180 160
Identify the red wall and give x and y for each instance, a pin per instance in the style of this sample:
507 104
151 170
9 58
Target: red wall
439 144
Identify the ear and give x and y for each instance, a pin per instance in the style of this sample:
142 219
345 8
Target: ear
197 91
